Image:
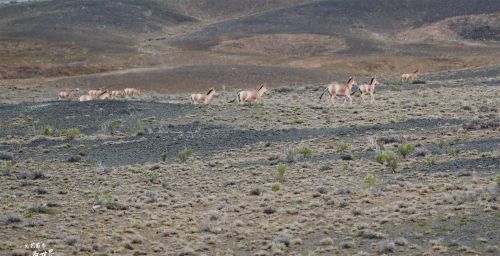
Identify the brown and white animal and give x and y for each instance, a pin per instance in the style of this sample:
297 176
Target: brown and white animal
408 77
198 98
336 89
368 88
132 91
95 92
117 94
103 95
251 96
65 95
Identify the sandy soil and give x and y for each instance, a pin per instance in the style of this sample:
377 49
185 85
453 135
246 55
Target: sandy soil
90 179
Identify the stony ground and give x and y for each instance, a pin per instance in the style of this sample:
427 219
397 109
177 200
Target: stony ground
111 178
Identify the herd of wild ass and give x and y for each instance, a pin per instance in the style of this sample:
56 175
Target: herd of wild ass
100 94
333 90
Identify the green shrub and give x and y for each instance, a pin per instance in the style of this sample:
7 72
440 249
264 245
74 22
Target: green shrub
73 133
113 125
442 145
455 151
185 154
388 157
48 130
38 209
276 186
136 129
406 149
103 198
395 81
342 148
370 181
7 167
164 156
430 160
305 151
281 172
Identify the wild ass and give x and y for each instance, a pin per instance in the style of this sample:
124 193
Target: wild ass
198 98
95 92
251 96
335 89
408 77
65 95
117 94
368 88
132 91
103 95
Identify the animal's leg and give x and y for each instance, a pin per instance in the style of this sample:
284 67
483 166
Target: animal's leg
350 99
363 98
373 97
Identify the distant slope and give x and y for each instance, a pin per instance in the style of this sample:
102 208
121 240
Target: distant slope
339 17
213 10
95 24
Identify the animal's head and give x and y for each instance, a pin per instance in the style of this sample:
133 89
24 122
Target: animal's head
211 90
263 88
374 81
416 71
351 82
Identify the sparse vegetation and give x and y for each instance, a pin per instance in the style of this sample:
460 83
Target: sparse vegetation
113 125
430 161
103 198
405 149
370 181
442 145
164 156
136 129
7 167
73 133
395 81
342 148
48 130
305 152
185 154
454 151
276 186
388 157
154 178
281 172
38 208
13 218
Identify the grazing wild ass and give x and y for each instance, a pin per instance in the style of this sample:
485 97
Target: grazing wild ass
250 96
408 77
335 89
368 88
95 92
117 94
198 98
64 95
103 95
132 91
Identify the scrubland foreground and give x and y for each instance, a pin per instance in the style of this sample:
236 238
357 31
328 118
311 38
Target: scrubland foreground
415 173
